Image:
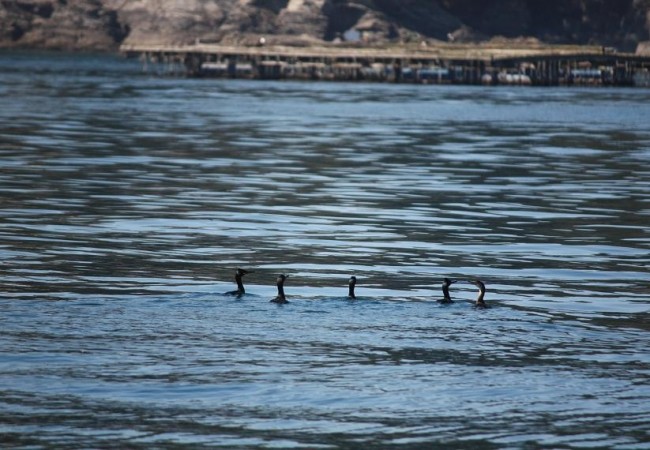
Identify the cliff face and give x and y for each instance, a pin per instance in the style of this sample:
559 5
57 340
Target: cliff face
607 22
104 24
70 24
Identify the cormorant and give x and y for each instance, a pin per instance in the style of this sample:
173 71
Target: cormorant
280 299
446 299
239 273
352 283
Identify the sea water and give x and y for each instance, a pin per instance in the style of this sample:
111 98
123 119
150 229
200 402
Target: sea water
128 201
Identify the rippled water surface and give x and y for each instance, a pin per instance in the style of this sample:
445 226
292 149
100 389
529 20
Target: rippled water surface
128 201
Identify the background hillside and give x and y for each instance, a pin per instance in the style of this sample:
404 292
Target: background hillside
105 24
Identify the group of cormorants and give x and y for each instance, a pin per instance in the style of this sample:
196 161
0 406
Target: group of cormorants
282 299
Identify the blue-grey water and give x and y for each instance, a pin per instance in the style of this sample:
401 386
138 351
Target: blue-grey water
128 200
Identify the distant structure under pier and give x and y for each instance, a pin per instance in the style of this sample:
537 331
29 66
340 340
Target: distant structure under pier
439 63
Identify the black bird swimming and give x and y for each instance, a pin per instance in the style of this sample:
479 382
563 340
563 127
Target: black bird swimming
446 299
353 282
281 299
239 273
480 302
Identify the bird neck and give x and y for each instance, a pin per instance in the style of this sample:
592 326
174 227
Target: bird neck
280 290
479 300
445 292
240 283
351 291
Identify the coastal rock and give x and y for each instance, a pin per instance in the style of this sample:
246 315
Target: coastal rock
643 48
302 17
59 24
174 22
105 24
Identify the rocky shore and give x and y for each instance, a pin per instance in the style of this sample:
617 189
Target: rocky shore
106 24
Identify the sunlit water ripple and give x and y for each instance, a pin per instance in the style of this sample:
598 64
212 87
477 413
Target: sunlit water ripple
129 200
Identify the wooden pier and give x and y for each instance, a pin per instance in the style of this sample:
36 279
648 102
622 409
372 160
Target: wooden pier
542 65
